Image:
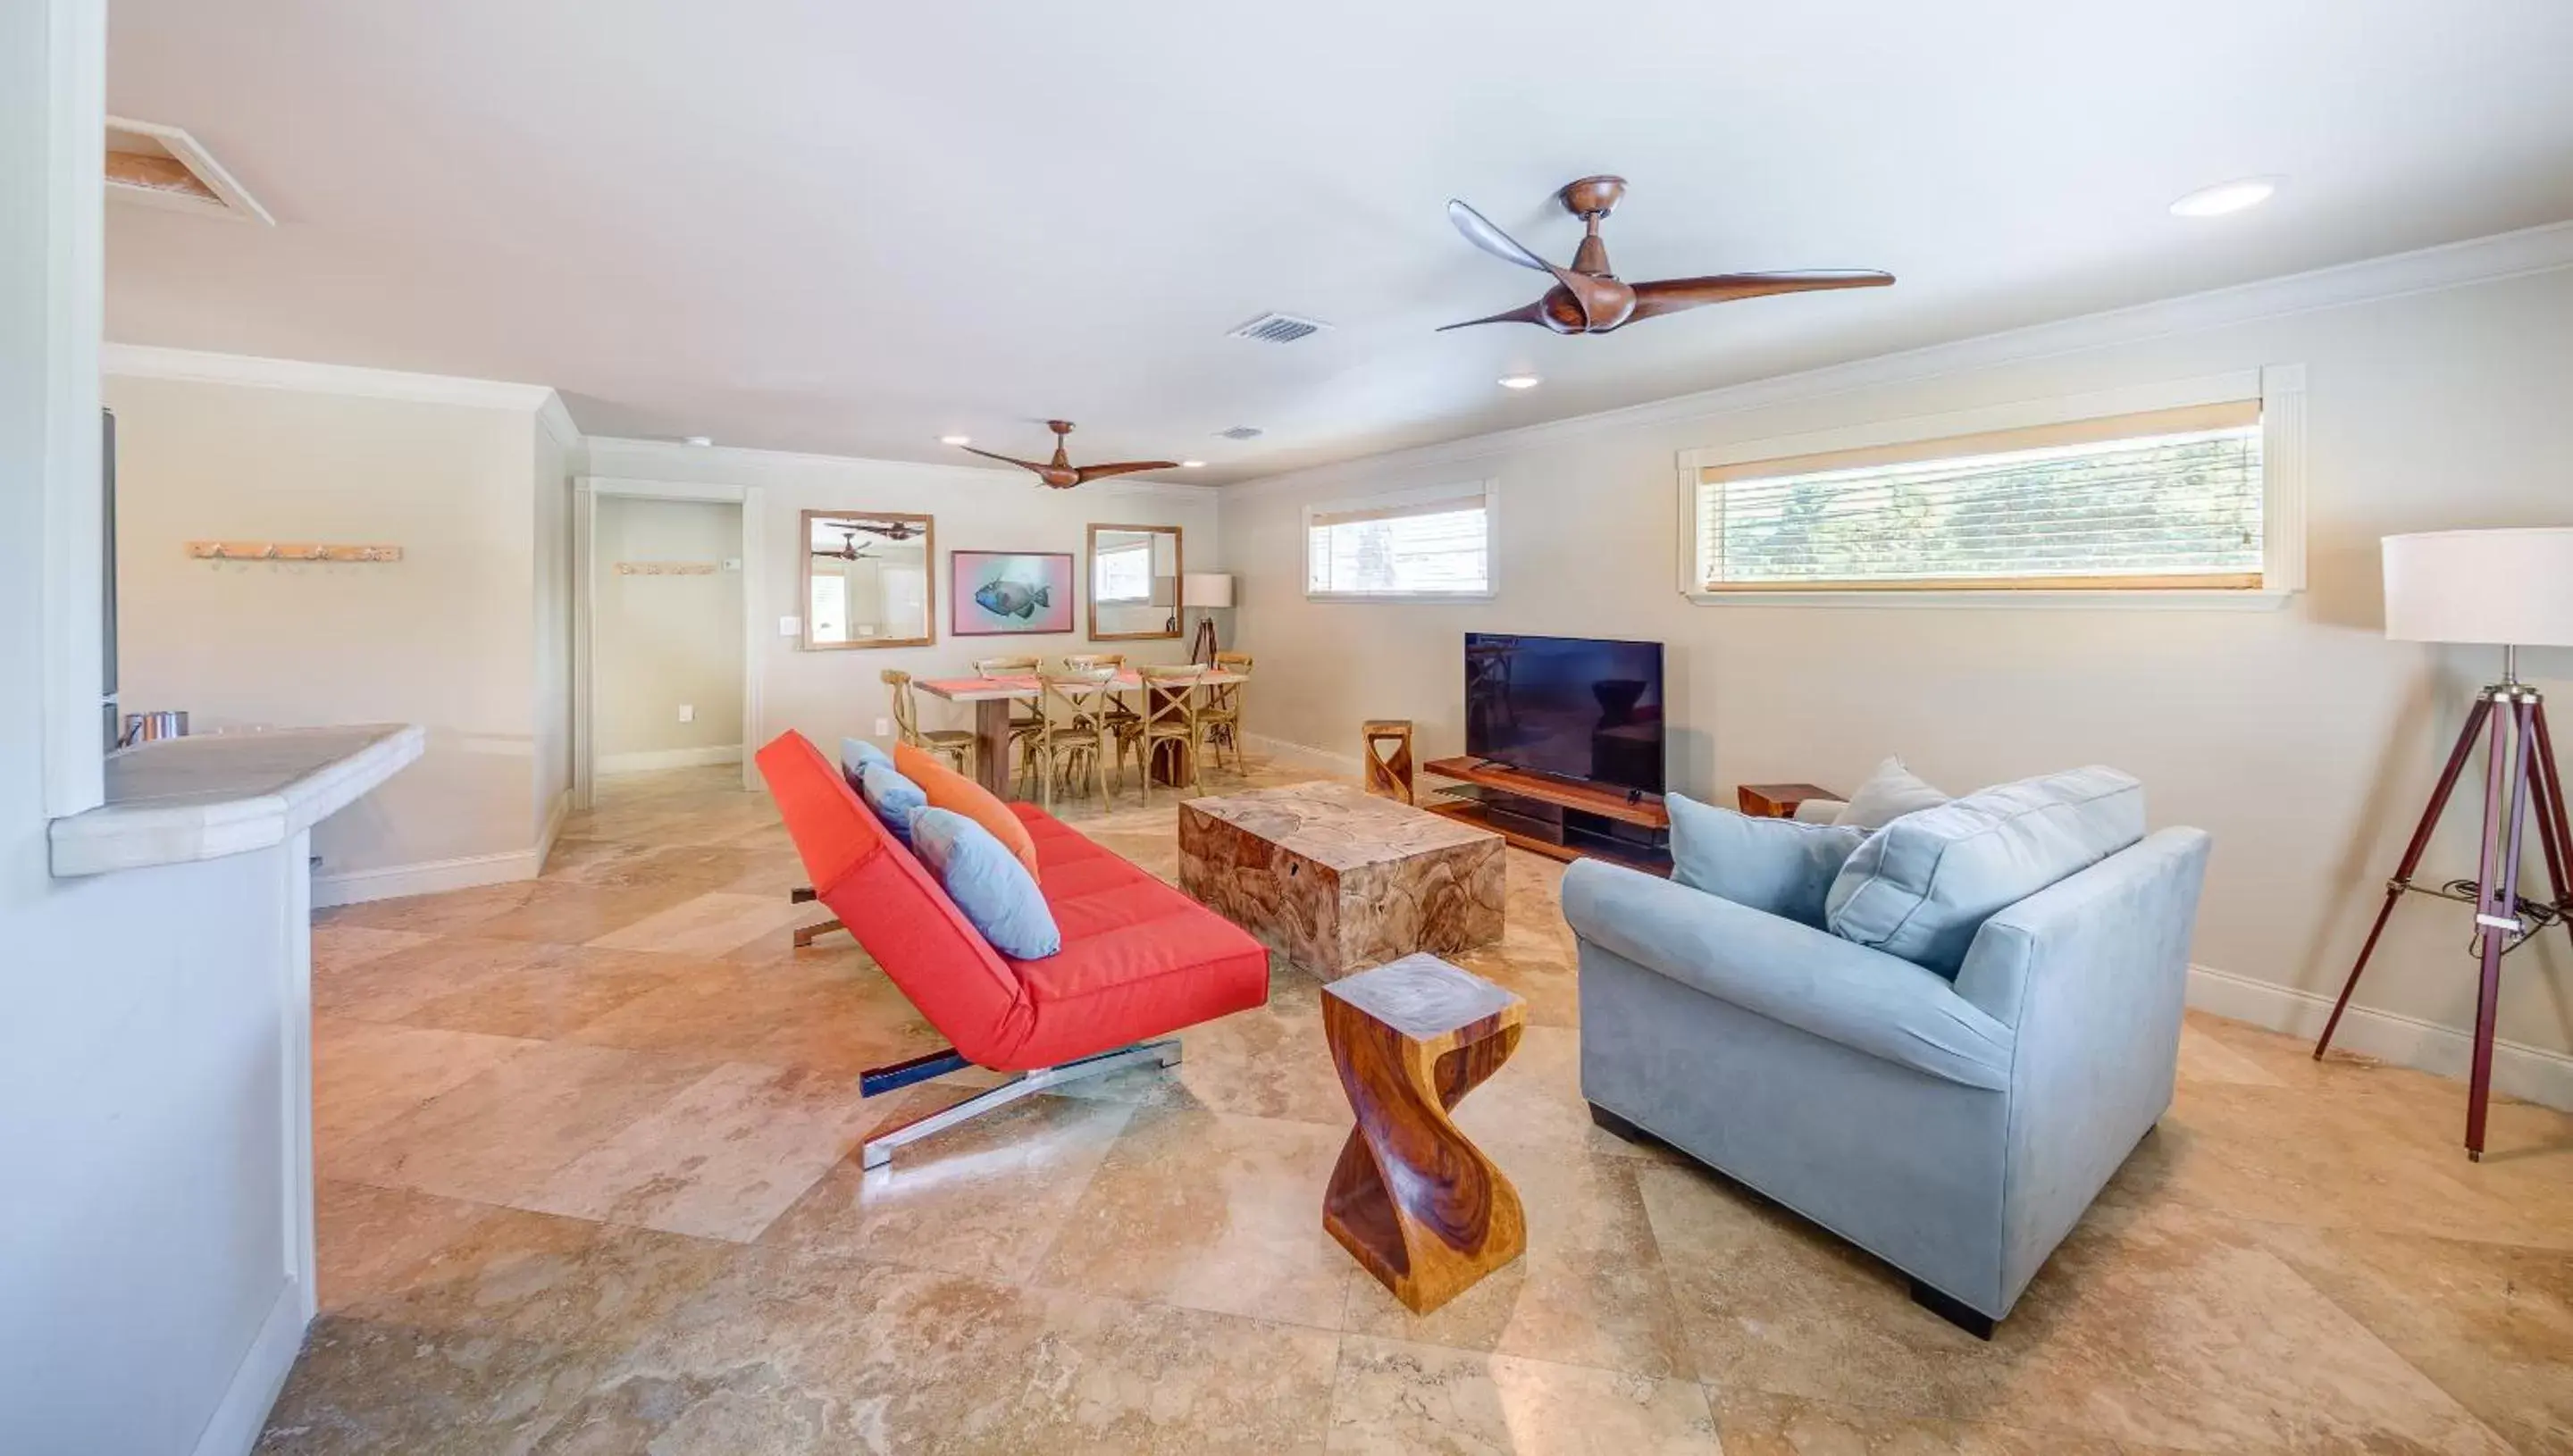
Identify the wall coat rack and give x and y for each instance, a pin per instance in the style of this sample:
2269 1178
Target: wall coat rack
289 551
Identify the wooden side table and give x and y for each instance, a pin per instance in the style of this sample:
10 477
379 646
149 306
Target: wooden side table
1778 801
1389 776
1411 1200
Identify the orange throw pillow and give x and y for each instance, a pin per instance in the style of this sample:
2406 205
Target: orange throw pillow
949 790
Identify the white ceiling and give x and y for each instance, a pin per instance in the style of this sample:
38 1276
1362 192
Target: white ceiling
849 228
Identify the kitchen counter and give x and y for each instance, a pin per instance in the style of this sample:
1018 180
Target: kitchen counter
182 799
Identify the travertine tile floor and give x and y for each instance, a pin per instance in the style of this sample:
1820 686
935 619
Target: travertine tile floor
588 1185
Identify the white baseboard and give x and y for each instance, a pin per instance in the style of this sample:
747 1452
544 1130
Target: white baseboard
430 877
238 1420
1346 765
669 758
2519 1069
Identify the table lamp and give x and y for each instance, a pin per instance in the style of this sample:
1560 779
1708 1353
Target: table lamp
1204 589
2511 590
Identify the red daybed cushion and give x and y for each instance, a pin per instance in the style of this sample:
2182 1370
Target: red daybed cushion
1139 959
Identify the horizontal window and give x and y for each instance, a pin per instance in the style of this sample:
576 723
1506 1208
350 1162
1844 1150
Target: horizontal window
2167 499
1427 543
1123 574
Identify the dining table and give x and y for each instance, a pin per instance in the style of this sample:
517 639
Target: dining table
992 697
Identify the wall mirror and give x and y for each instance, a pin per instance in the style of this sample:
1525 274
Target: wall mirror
1134 582
867 580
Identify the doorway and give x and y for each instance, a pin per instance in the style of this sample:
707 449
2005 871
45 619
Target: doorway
664 678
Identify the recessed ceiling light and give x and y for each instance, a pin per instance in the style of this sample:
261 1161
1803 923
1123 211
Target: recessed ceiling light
1518 382
698 440
1192 464
956 440
2226 196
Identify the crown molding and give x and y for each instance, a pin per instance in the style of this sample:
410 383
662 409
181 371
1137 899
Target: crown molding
2428 270
149 361
556 419
604 450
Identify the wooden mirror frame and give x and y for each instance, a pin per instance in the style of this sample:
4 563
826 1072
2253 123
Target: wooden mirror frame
1089 581
928 600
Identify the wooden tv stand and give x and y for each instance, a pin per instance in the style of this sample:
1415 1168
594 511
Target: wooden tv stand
1556 818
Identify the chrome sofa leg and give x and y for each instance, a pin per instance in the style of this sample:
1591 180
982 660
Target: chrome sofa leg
879 1149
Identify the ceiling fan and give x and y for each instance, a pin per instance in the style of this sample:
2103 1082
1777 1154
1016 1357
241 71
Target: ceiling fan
892 530
849 548
1061 472
1590 299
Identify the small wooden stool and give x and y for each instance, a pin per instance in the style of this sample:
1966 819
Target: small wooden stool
1387 778
1411 1200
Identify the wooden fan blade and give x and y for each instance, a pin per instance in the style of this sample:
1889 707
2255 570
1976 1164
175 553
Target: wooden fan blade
1532 314
1671 295
1478 230
1005 459
1123 468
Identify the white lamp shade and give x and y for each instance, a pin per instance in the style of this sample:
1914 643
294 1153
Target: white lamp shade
2511 588
1206 589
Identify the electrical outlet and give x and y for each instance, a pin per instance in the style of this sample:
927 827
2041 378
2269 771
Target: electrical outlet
884 727
790 626
687 713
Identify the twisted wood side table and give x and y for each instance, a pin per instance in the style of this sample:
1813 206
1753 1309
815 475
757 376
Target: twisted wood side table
1411 1200
1388 775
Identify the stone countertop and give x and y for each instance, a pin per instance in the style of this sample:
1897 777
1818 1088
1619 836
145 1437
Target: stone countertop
184 799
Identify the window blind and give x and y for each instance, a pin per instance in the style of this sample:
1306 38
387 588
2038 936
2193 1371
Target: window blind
1441 543
2168 498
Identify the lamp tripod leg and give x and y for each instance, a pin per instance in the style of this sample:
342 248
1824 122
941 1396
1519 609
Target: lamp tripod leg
2553 833
2498 901
2457 756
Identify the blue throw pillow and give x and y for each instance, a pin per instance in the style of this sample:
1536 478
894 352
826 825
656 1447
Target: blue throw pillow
892 796
1776 866
1922 886
856 754
996 893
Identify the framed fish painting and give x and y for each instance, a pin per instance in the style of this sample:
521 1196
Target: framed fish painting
1010 593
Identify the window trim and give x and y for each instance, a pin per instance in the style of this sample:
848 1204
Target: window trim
2281 389
1489 489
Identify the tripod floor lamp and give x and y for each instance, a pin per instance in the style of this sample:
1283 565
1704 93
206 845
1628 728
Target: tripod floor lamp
2511 590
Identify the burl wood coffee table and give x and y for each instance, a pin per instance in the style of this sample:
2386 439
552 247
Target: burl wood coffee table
1337 880
1411 1199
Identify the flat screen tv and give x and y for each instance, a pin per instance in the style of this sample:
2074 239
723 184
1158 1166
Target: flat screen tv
1582 708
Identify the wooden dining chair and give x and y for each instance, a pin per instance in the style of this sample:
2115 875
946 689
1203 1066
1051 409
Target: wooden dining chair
1119 712
1219 717
951 744
1026 718
1071 746
1169 716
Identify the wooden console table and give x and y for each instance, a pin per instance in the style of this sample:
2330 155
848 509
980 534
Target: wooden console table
1777 801
1411 1199
1645 811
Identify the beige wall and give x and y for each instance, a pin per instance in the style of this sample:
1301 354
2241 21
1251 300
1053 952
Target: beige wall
2301 737
447 637
661 642
828 694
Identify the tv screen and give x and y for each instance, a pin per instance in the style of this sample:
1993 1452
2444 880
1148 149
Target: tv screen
1574 707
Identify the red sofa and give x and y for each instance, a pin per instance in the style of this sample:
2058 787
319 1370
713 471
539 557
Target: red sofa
1138 960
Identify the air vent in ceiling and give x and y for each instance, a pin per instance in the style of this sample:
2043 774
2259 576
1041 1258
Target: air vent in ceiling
1279 328
164 167
1239 431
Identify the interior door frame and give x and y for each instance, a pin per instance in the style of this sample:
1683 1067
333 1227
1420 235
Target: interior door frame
586 494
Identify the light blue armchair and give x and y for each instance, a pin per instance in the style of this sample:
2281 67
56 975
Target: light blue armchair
1954 1128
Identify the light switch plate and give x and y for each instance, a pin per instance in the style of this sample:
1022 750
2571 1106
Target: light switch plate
687 713
884 727
790 626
